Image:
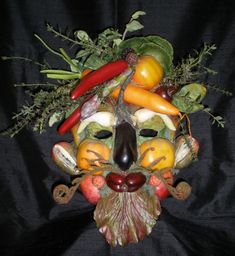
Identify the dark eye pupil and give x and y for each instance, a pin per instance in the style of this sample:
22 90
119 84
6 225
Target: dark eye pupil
148 133
103 134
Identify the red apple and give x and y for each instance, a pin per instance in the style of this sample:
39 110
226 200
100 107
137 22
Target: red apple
90 189
160 189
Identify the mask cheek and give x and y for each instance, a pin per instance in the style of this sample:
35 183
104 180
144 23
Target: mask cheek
91 153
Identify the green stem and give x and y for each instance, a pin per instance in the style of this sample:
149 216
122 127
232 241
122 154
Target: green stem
51 50
66 56
47 46
63 76
126 30
34 85
51 29
57 71
217 89
22 58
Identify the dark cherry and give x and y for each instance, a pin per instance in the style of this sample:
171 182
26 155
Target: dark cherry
115 178
117 187
122 183
162 91
167 92
171 90
135 178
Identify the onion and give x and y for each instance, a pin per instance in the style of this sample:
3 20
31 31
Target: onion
103 118
64 156
186 151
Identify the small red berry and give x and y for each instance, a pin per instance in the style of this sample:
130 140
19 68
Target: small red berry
98 181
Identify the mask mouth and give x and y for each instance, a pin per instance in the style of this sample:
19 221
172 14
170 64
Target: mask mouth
125 146
125 182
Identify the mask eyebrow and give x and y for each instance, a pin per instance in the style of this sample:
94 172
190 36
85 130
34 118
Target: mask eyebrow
103 118
142 115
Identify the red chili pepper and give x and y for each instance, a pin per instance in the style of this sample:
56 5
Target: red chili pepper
99 76
70 121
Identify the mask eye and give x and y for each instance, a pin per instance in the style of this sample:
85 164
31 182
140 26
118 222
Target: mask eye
103 134
148 133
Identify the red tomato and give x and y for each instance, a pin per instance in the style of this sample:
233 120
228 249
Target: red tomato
160 189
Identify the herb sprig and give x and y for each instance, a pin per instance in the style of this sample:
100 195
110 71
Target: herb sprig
51 101
215 119
191 68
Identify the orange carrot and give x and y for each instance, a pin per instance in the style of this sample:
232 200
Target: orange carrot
143 98
85 72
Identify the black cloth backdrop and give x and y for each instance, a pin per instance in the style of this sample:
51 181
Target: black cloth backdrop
31 222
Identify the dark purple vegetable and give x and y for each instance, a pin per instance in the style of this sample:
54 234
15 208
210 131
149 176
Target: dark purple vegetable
125 147
166 92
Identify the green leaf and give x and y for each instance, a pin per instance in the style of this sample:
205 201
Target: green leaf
56 117
166 134
83 53
134 26
189 98
134 43
162 43
156 123
137 14
207 109
109 34
117 41
94 62
75 68
185 105
193 92
82 35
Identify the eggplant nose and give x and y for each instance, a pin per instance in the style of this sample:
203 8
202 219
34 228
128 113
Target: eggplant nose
125 146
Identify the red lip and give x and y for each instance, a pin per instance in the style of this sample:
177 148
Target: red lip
125 183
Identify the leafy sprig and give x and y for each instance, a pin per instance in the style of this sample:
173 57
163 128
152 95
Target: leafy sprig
35 85
101 48
133 24
44 105
215 119
219 90
191 68
51 101
42 66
